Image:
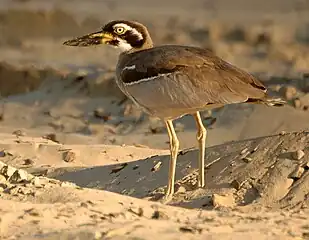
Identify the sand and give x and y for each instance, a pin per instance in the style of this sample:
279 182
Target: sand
79 161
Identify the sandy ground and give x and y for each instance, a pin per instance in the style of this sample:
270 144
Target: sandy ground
79 161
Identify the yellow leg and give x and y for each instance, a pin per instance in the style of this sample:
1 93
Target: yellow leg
201 138
174 147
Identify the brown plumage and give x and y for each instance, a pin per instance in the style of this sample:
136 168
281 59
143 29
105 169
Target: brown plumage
170 81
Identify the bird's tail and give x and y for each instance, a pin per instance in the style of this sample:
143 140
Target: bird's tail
274 102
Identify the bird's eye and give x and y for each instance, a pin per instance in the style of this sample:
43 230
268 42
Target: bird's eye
120 30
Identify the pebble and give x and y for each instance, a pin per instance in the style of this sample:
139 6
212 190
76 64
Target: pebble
247 159
289 92
222 201
159 215
19 133
7 171
69 156
156 167
245 150
2 179
296 174
181 189
297 155
19 176
297 103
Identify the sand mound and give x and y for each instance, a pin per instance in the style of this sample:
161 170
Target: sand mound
241 177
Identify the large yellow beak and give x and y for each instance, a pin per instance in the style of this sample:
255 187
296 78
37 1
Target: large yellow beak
90 39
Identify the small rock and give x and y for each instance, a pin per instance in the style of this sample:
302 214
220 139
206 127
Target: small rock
190 229
181 189
37 182
7 171
245 150
297 103
156 167
34 212
247 159
237 184
2 179
19 176
28 161
289 92
67 184
119 168
51 137
296 174
297 155
159 215
19 133
69 156
222 201
101 114
2 153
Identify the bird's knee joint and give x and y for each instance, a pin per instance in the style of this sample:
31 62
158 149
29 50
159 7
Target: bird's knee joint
201 134
175 146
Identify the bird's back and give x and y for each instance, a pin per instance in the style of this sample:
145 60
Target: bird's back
184 77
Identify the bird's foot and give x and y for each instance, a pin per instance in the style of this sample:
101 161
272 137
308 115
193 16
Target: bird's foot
167 198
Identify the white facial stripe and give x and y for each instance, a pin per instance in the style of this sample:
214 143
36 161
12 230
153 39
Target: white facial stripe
123 45
147 79
128 28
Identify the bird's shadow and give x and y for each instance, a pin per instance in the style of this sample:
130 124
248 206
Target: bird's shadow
142 178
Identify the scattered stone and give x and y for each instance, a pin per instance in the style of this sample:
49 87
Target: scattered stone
101 114
159 215
19 176
140 145
289 92
2 153
282 133
67 184
69 156
52 137
119 168
181 189
237 184
222 201
304 102
138 212
2 179
297 155
297 103
37 182
7 171
247 159
19 133
245 150
156 167
190 229
34 212
297 173
28 161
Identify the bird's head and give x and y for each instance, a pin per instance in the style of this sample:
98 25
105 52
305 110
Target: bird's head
128 36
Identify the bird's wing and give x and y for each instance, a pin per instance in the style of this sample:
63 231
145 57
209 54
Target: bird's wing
200 71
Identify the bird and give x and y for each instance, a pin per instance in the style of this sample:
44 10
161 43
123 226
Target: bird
170 81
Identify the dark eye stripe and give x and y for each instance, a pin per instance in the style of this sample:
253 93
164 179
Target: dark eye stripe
134 39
